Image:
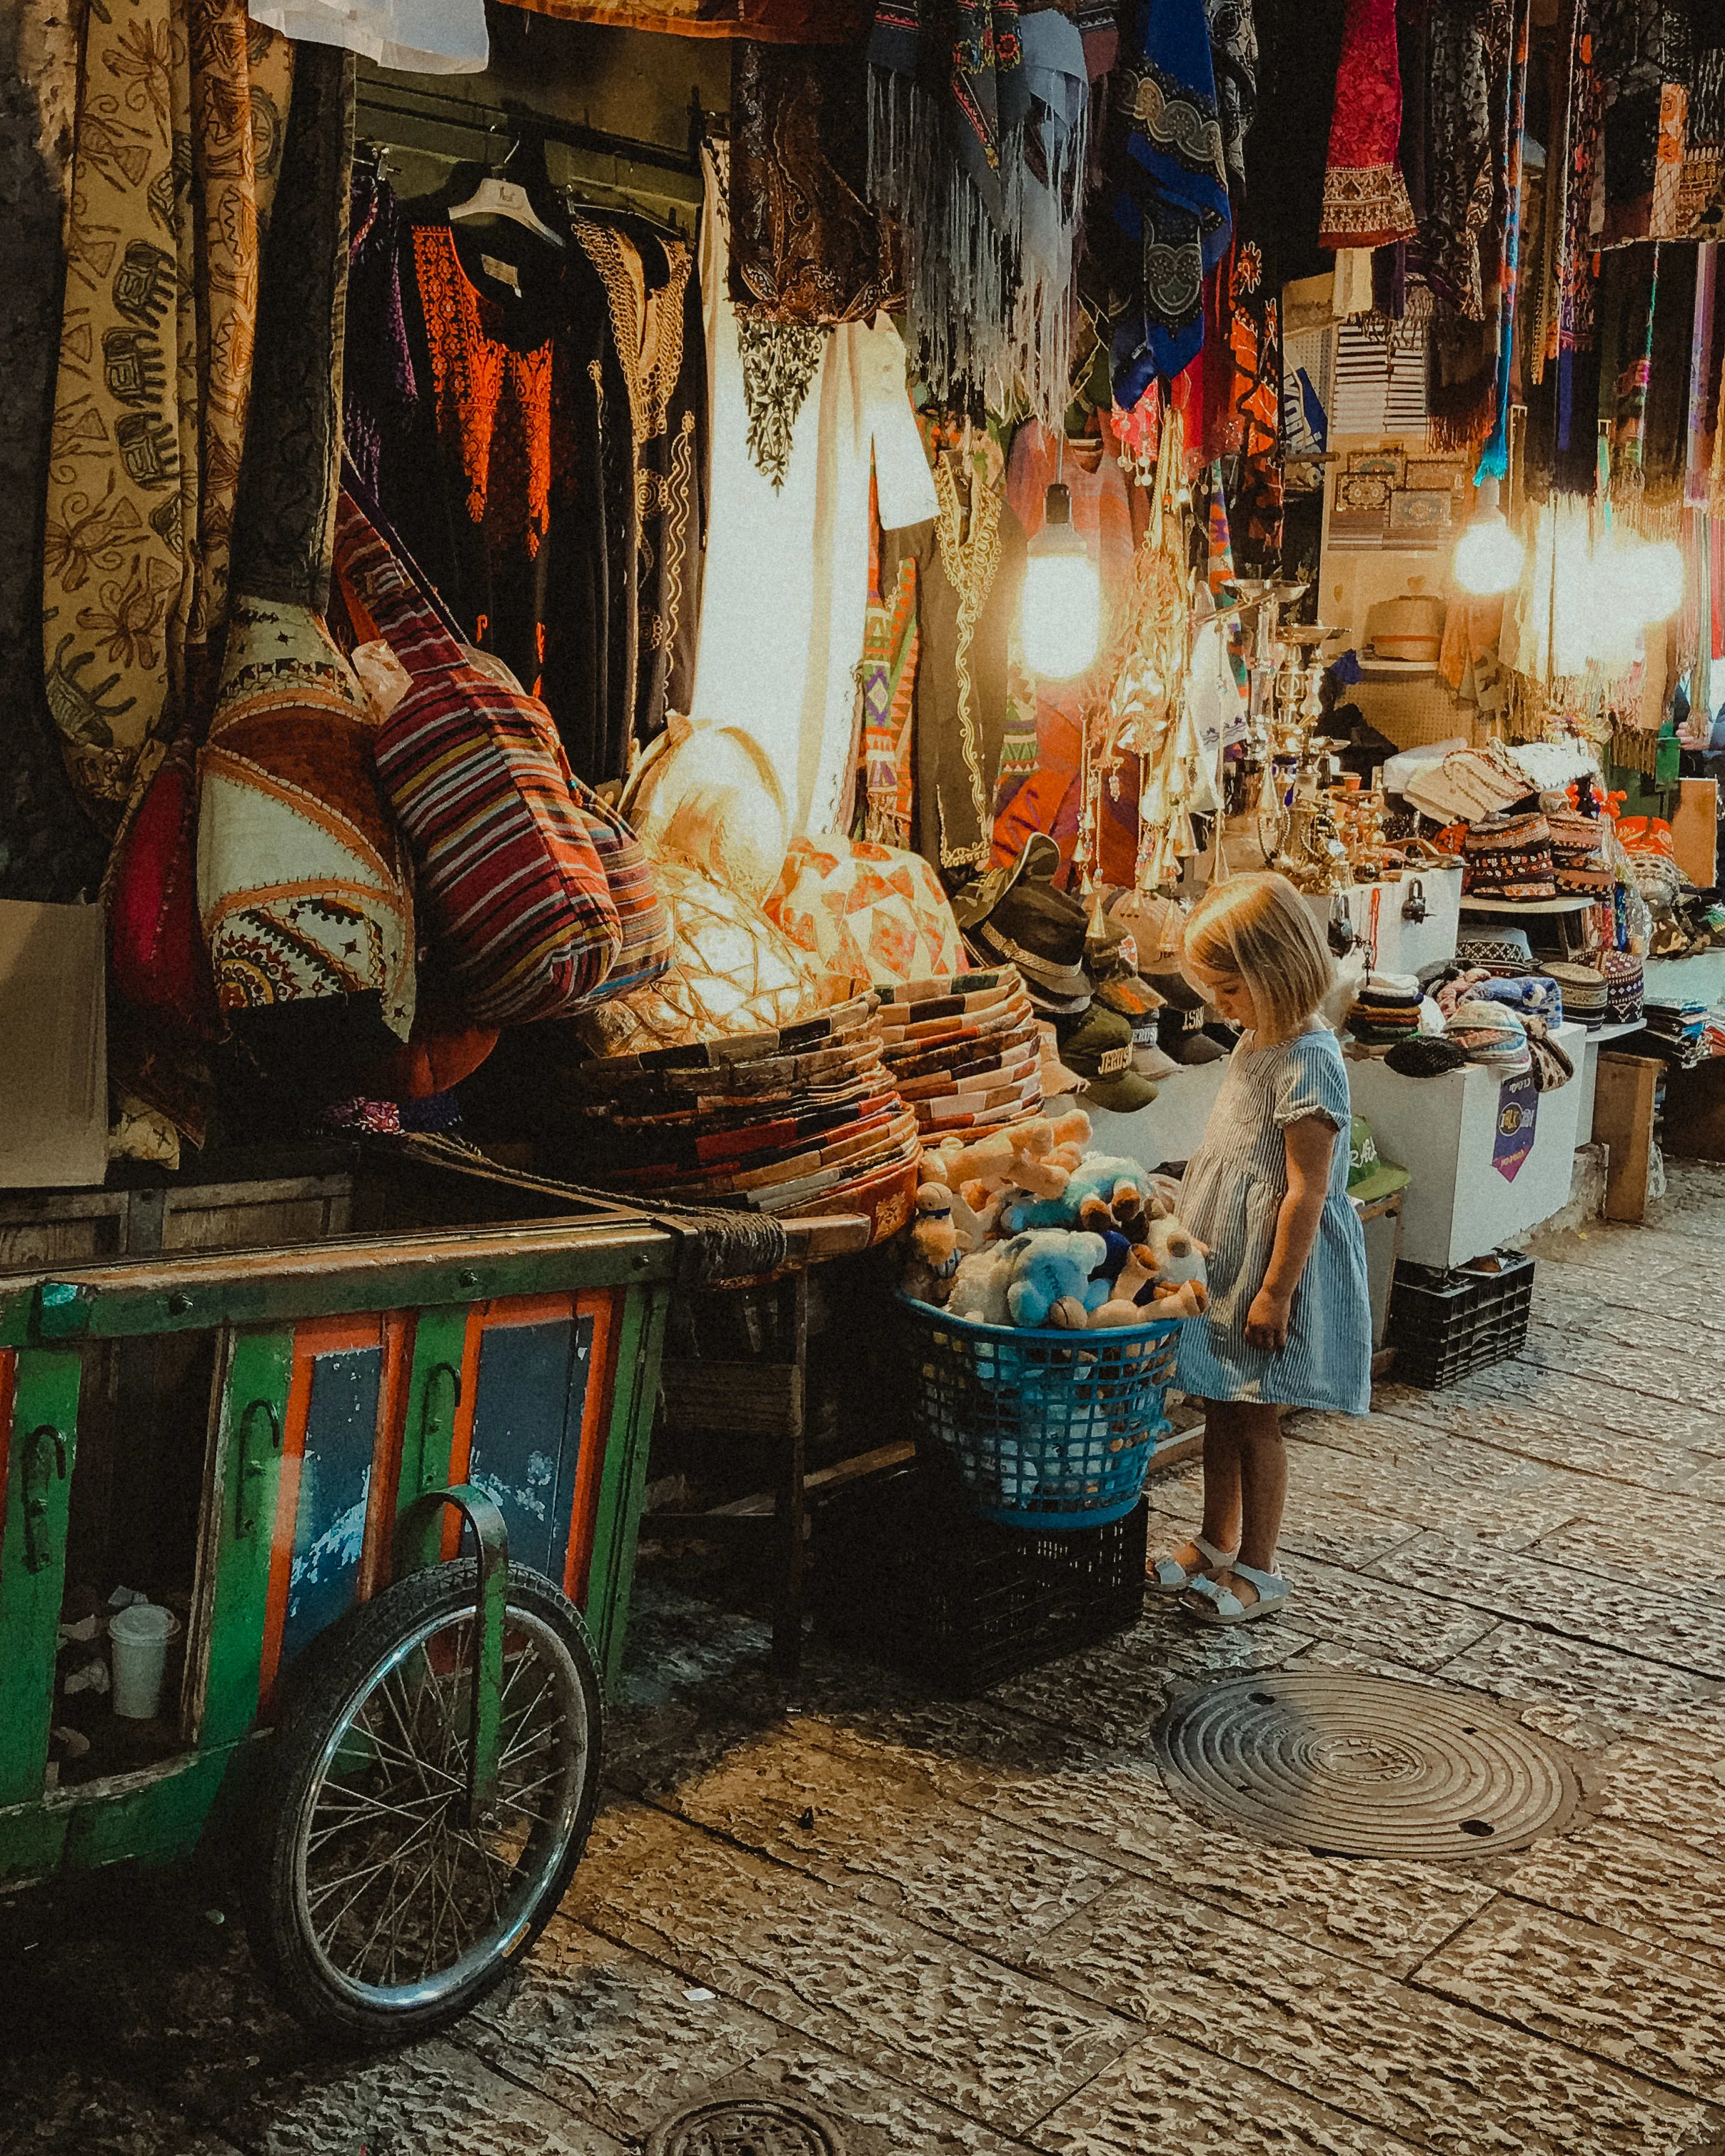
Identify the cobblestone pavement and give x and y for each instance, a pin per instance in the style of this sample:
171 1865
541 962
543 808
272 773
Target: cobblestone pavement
986 1927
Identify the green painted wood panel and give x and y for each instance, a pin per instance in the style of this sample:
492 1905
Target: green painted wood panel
151 1820
611 1570
32 1560
254 1416
433 1402
32 1837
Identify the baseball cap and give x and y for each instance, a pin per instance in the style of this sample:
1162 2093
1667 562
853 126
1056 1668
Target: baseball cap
1099 1047
1369 1175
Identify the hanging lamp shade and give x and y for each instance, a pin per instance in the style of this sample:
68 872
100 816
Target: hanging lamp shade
1060 624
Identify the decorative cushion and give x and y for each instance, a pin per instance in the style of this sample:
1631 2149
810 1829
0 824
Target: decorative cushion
866 912
732 972
300 881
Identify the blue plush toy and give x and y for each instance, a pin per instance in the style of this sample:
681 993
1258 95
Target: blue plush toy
1051 1282
1103 1192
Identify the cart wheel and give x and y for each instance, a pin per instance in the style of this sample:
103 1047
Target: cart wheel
376 1908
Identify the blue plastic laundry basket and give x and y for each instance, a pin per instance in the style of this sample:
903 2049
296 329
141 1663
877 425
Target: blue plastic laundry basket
1045 1429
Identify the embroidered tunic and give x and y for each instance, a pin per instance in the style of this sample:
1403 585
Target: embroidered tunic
1233 1191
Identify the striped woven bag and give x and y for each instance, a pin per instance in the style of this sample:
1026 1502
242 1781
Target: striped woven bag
538 897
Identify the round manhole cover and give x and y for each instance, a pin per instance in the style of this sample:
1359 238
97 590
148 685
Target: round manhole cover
1363 1766
748 2125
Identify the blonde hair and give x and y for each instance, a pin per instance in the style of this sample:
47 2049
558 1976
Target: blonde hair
1259 928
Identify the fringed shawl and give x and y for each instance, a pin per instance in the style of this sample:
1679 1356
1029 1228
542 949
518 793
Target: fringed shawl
1365 201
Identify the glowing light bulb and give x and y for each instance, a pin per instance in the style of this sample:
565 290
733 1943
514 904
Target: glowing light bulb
1488 554
1061 618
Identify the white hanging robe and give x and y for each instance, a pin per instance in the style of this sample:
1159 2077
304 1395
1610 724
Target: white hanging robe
785 585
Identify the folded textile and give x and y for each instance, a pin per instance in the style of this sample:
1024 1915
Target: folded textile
1489 1035
1509 857
1535 994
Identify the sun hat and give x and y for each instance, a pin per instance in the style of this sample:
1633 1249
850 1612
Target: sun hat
1370 1177
1099 1047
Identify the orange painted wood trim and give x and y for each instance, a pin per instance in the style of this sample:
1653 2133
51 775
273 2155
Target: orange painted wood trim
601 1305
375 1559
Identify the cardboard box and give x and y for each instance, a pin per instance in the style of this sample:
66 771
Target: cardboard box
54 1069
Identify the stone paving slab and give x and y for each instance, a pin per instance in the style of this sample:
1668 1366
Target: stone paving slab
959 2024
876 1825
611 2033
1654 1888
1166 2098
1615 1693
1670 1777
1651 1622
1660 2015
436 2099
878 2117
1436 2074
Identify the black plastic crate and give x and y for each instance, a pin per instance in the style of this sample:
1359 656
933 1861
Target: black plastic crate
907 1576
1445 1324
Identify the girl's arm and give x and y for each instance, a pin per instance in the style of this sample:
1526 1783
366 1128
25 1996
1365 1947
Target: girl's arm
1310 1145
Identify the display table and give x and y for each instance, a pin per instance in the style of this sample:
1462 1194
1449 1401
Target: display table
1461 1203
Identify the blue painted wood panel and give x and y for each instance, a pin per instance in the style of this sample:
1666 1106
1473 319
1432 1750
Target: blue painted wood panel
335 1488
528 1404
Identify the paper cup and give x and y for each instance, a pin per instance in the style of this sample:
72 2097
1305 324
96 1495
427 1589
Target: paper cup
139 1637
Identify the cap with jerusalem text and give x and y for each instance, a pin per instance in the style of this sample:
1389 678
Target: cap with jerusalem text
1370 1177
1099 1047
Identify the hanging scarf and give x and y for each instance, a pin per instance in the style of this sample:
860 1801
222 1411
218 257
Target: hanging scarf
946 106
1056 149
1469 50
805 245
1635 369
1703 382
1233 56
1494 459
155 377
1171 204
888 677
378 394
1643 57
1703 147
1365 201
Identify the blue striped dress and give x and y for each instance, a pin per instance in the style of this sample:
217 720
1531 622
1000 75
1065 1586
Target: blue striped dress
1234 1189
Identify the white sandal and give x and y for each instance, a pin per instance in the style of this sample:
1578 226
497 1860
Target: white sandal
1213 1603
1169 1576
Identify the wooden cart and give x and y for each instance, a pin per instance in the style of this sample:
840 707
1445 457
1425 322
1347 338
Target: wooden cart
391 1480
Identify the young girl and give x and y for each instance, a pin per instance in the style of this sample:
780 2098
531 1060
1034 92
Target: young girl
1289 1322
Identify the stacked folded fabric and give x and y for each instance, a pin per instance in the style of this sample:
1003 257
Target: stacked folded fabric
1509 857
1580 862
963 1051
1535 995
1678 1025
771 1122
1386 1009
1582 989
1489 1034
1625 975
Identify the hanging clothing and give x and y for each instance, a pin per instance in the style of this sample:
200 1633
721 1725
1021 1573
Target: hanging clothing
379 396
807 246
1051 192
1469 51
786 581
1049 797
1169 205
970 566
427 36
1365 196
892 644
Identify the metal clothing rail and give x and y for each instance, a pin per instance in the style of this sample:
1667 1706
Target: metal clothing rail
438 108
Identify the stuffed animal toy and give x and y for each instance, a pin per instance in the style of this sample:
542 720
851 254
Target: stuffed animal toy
1136 1279
1036 1156
1049 1152
934 1246
1038 1281
1182 1281
1052 1282
1104 1192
